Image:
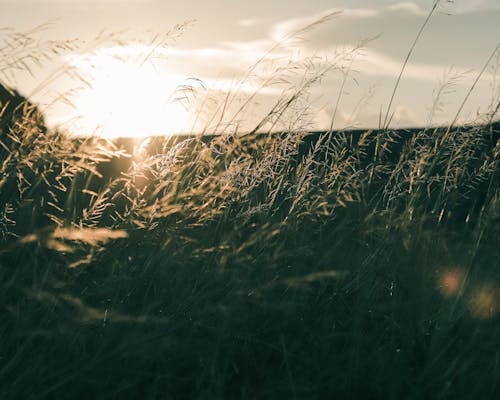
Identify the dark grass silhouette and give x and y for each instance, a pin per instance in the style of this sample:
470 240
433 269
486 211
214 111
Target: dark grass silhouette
17 113
380 151
267 266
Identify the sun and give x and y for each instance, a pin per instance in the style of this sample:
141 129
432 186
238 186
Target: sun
126 98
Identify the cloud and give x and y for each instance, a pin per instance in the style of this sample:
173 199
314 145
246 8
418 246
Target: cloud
287 27
451 7
230 61
408 7
283 29
378 64
249 22
222 57
470 6
182 63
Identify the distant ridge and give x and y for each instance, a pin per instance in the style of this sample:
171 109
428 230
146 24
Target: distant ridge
397 138
309 139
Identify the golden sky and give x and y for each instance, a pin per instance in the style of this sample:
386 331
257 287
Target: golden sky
144 77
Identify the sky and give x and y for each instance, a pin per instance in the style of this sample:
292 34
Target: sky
140 67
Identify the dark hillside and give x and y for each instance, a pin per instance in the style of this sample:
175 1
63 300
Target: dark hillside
380 152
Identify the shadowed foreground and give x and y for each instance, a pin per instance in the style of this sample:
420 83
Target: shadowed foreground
344 266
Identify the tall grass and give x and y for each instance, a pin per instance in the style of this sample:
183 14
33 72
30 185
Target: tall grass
262 265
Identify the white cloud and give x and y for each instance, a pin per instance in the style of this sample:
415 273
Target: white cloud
247 22
408 7
463 7
356 13
231 60
228 55
283 29
422 8
237 56
378 64
287 27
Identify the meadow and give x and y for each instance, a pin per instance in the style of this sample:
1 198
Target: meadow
291 264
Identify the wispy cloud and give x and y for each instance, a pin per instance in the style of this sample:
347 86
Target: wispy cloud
452 7
287 27
469 6
248 22
373 63
407 7
414 8
231 60
179 64
378 64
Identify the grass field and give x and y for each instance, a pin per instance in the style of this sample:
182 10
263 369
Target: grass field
267 266
222 269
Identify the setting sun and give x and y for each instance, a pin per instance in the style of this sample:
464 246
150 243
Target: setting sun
126 98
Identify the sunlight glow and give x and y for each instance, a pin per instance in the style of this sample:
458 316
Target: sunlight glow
126 97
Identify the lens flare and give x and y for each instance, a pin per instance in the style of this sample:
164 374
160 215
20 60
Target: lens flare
450 281
484 302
